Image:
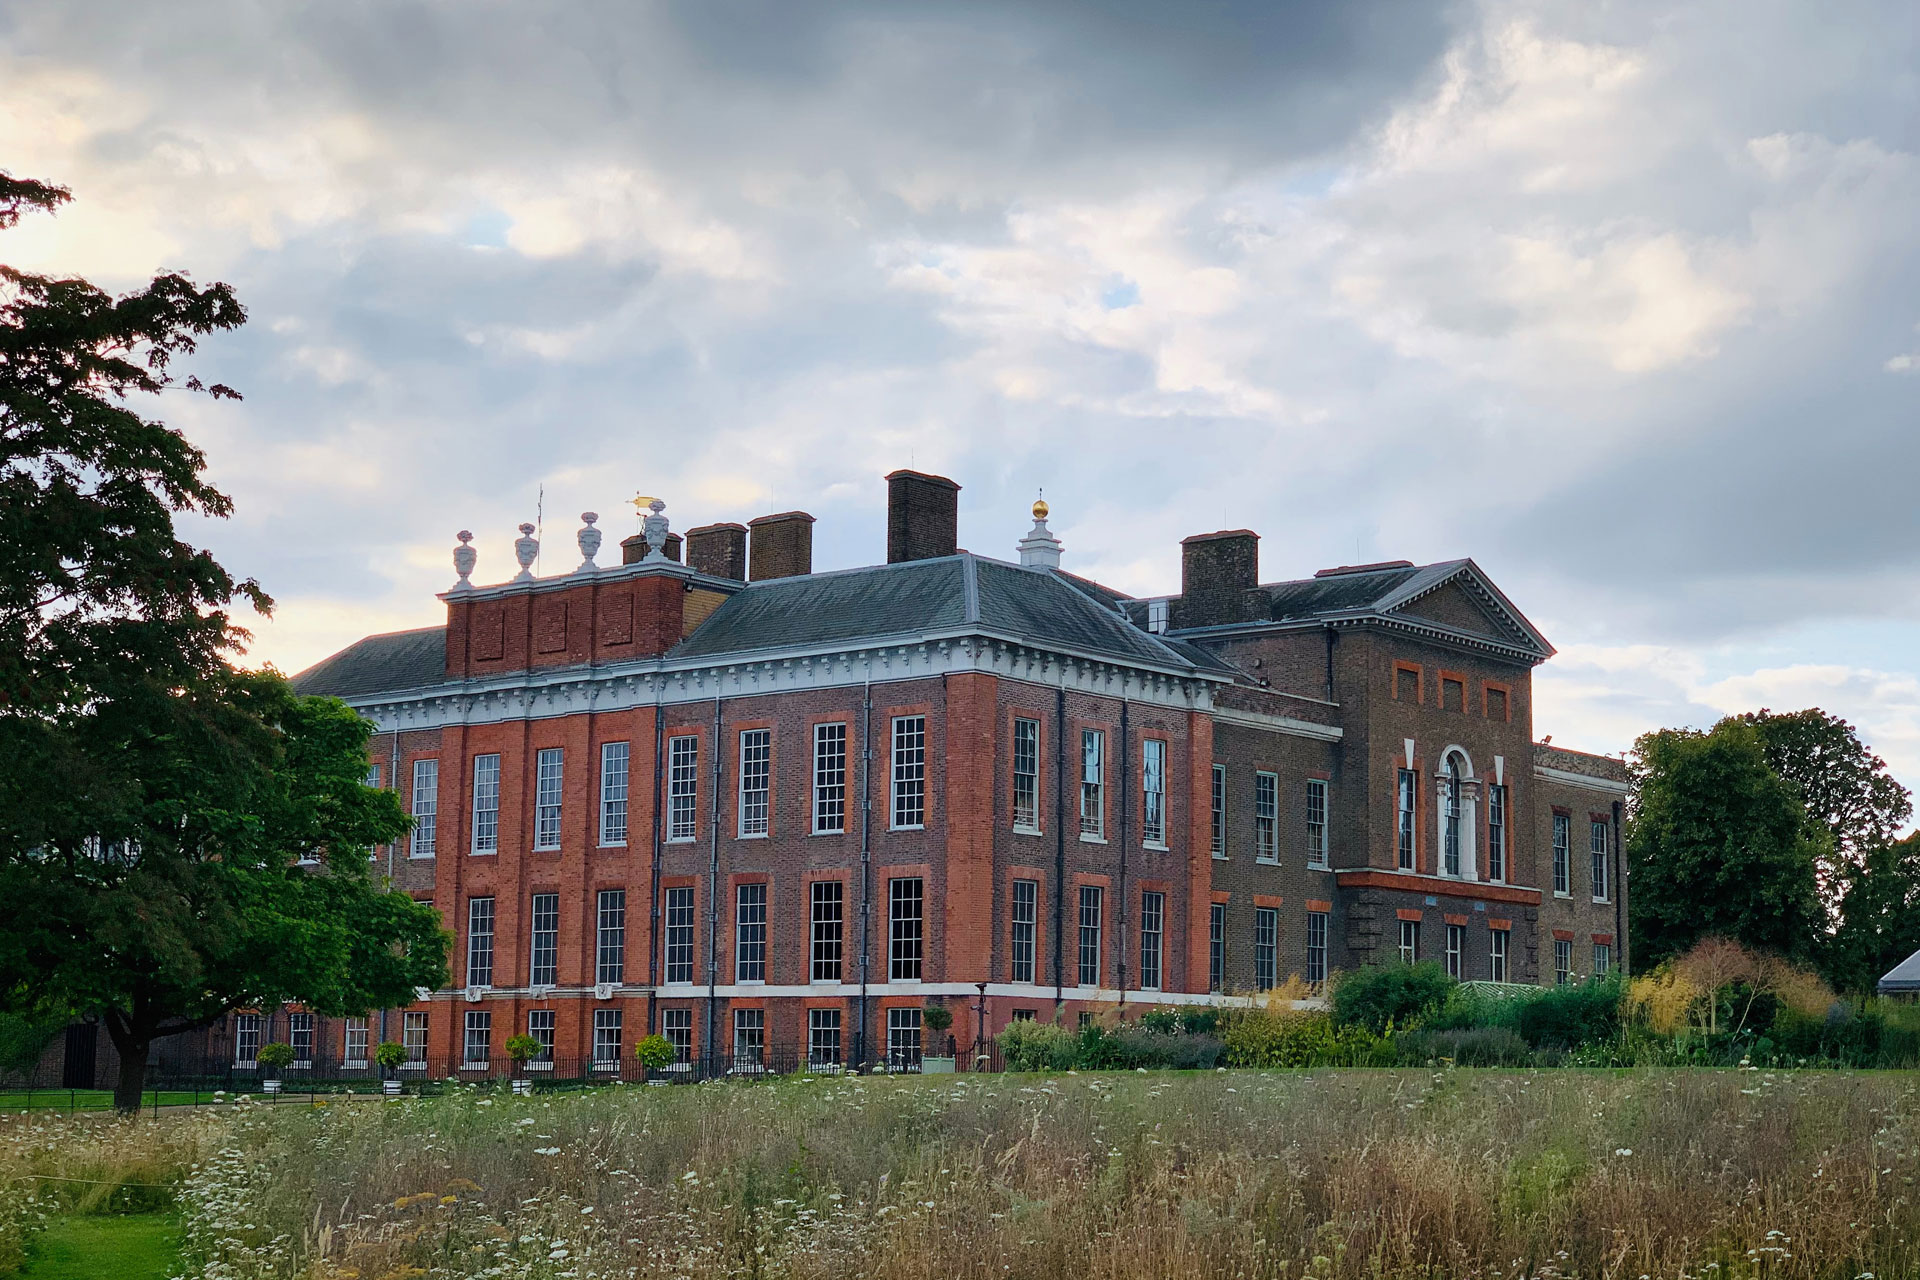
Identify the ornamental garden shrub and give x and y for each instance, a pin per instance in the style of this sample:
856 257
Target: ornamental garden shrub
1268 1038
1465 1047
1380 997
654 1052
1564 1017
1038 1046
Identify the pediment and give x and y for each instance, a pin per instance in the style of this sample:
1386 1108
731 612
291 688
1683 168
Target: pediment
1464 600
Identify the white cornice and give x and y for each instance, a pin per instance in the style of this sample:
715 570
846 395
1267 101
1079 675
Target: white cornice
1591 783
1278 724
564 691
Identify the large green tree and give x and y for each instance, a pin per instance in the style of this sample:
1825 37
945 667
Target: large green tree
1718 845
1845 789
178 839
1879 916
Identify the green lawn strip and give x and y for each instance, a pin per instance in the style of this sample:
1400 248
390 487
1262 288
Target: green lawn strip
138 1246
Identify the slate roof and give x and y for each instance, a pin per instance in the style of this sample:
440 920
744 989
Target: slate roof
1904 976
899 601
380 664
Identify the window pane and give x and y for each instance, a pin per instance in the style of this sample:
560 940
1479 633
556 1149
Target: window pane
906 925
1090 905
426 808
613 793
546 939
677 1026
1266 817
610 948
756 780
1316 946
546 805
828 929
683 788
1152 920
679 934
1496 833
607 1027
1217 946
1093 802
1026 923
829 777
1409 790
910 771
486 804
750 934
823 1037
1218 831
1153 791
1597 844
1266 948
480 942
1316 822
1562 834
540 1024
1026 775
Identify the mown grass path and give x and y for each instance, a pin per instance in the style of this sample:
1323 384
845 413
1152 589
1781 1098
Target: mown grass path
137 1246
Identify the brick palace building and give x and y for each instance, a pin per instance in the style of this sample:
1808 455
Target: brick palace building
772 813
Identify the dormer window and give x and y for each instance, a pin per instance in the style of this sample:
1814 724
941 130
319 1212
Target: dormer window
1157 616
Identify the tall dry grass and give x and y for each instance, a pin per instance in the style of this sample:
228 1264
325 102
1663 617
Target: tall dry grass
1321 1174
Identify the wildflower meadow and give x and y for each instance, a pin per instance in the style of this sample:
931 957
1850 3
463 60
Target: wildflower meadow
1709 1174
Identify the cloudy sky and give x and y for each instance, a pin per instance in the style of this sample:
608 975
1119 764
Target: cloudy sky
1621 300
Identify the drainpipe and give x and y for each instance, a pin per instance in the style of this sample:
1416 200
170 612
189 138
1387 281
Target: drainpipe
1059 850
1120 929
1619 894
393 778
654 940
713 877
866 856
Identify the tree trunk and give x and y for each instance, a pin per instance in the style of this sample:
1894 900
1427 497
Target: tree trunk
133 1077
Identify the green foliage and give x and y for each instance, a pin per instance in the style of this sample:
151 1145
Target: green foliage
390 1054
936 1018
23 1039
1718 846
1562 1017
1131 1046
1261 1038
1395 995
523 1047
1038 1046
1192 1019
1879 916
276 1055
654 1052
1844 788
1465 1047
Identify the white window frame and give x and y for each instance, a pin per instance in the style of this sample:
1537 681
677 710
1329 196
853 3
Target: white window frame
549 786
906 930
1318 926
750 933
826 932
1499 944
480 956
1456 952
426 809
610 937
1599 836
414 1026
1317 829
754 821
683 788
1153 923
1497 819
247 1035
1266 817
609 1032
823 1037
1602 959
1266 948
749 1040
678 936
477 1029
616 763
543 943
1093 785
905 1043
676 1025
486 803
1153 793
1406 801
1026 776
830 778
355 1043
1088 957
907 775
1562 962
1216 946
1217 797
1409 942
1562 855
1023 935
542 1025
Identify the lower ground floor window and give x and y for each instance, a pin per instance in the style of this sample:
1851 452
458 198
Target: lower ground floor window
749 1037
1316 946
1456 951
823 1037
413 1036
1562 961
300 1038
1602 959
903 1037
1497 955
356 1043
1023 1015
479 1042
677 1026
246 1038
606 1037
540 1027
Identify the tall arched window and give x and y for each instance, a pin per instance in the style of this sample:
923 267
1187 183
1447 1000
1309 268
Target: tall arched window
1450 835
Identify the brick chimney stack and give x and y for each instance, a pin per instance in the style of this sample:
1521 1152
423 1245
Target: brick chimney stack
718 549
781 546
923 516
633 550
1218 574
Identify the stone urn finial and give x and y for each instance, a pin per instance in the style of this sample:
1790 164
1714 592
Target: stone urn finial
655 529
526 548
464 558
589 540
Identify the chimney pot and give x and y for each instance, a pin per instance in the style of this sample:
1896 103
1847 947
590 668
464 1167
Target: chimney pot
718 549
923 516
780 546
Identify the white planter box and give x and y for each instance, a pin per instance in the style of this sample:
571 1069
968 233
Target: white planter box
936 1066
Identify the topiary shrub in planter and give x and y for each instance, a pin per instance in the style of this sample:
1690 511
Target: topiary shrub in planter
273 1058
655 1052
389 1055
934 1021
